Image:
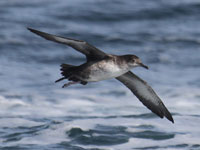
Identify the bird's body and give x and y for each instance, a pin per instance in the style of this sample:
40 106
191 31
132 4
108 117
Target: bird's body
108 68
102 66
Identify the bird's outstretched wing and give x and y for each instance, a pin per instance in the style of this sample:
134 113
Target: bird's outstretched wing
145 94
91 52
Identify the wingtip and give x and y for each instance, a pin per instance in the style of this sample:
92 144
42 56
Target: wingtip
30 29
171 119
164 112
169 116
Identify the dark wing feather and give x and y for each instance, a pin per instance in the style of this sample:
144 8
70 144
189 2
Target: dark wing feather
91 52
145 94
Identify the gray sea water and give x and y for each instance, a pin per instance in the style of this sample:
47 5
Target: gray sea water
37 114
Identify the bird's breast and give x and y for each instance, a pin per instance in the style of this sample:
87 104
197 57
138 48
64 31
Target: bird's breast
105 70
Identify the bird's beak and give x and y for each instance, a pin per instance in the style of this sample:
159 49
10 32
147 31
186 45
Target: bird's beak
142 65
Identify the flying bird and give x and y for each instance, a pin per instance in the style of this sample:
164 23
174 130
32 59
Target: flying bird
101 66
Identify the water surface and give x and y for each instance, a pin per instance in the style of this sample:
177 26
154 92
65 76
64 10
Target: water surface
36 113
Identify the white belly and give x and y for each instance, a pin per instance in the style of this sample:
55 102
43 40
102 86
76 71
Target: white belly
106 71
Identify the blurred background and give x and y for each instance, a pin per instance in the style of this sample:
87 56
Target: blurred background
36 113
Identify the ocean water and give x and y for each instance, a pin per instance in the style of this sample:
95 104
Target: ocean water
37 114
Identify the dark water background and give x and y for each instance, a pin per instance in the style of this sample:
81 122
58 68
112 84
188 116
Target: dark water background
37 114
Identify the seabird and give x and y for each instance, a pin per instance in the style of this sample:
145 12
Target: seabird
101 66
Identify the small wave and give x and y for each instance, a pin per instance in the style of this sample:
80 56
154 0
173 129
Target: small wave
113 135
21 132
159 12
100 136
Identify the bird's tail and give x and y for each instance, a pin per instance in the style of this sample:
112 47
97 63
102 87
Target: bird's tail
66 71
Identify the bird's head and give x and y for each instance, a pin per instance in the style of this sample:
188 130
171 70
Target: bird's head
134 61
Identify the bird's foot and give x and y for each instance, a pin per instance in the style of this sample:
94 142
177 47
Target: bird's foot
70 83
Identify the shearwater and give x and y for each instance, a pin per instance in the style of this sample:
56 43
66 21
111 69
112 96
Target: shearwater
101 66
